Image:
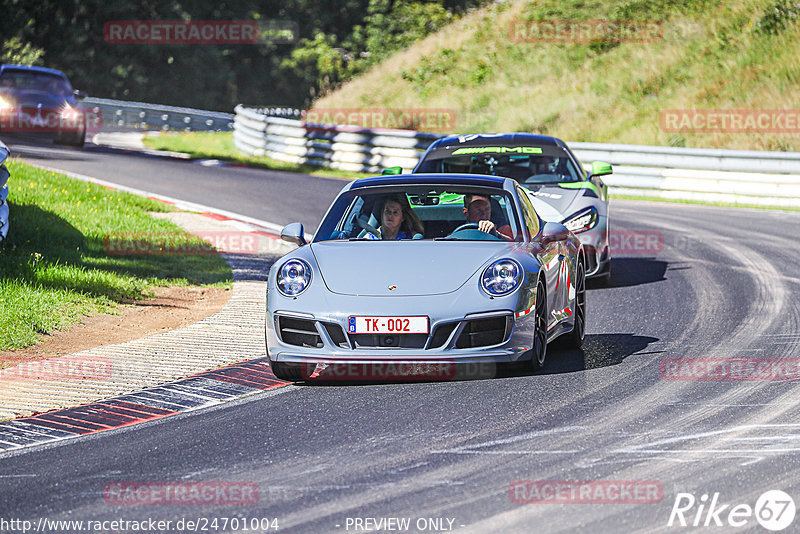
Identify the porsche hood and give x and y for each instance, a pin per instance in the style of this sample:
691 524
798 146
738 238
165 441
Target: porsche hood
411 268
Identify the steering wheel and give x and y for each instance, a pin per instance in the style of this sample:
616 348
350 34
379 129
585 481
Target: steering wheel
468 226
363 223
475 226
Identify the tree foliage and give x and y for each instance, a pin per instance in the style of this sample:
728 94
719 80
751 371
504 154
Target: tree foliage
336 41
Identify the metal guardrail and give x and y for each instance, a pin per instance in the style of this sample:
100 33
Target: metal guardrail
733 176
340 147
4 211
119 114
712 159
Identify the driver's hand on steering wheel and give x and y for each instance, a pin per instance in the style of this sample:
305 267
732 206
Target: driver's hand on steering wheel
487 226
490 228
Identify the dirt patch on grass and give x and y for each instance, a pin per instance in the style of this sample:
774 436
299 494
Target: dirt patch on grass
172 307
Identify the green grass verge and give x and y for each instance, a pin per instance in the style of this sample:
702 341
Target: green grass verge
219 145
54 267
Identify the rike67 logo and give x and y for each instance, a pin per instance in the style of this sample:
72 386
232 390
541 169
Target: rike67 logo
774 510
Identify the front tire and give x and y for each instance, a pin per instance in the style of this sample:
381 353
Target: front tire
575 338
76 138
539 349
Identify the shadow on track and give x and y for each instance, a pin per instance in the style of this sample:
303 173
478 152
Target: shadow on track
41 146
628 272
599 350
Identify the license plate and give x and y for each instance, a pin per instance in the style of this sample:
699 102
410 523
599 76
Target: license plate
360 324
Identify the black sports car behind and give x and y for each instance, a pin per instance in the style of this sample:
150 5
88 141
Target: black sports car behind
40 100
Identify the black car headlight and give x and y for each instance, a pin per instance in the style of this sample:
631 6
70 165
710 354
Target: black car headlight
294 277
584 220
501 277
70 113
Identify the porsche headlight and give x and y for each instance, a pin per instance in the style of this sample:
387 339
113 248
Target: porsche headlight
501 277
584 220
294 277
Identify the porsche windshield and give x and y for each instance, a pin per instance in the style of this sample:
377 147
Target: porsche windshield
548 166
422 212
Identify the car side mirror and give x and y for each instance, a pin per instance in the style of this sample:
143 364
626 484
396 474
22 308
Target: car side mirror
600 168
80 95
293 233
553 232
392 170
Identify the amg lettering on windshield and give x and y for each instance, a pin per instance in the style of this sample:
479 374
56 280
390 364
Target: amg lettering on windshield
498 150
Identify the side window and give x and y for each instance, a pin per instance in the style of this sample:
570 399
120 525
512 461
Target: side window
577 175
528 212
348 225
580 171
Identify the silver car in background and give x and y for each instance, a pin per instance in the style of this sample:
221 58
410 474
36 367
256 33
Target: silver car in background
450 296
554 179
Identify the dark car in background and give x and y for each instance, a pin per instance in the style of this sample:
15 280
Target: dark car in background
41 101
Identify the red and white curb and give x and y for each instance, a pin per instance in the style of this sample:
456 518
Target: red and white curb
193 393
187 394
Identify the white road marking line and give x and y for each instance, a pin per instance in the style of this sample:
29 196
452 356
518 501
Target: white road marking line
181 204
471 449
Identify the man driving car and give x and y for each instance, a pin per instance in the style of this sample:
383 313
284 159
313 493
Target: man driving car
478 210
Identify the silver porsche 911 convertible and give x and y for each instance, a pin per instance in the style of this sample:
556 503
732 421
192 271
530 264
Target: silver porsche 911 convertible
424 273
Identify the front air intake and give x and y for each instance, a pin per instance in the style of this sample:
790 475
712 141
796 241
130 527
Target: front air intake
298 332
484 332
